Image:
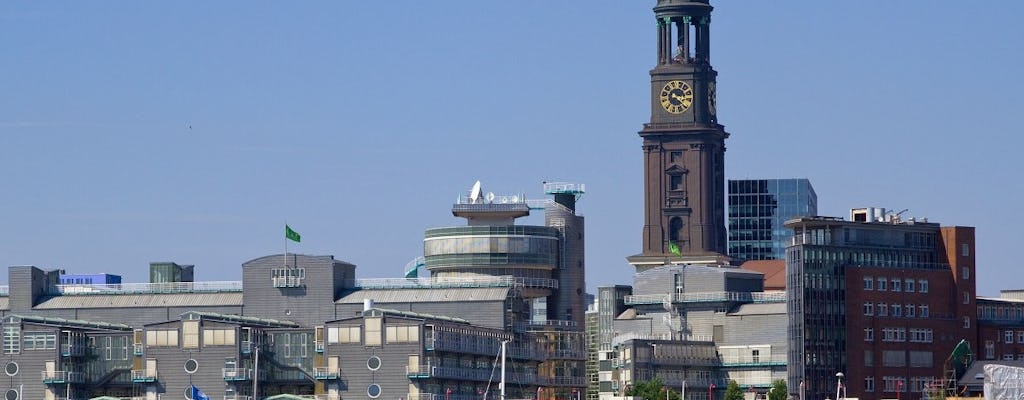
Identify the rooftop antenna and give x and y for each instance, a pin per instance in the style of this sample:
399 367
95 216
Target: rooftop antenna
474 193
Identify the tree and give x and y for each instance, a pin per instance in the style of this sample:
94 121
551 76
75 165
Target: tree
652 390
779 391
733 391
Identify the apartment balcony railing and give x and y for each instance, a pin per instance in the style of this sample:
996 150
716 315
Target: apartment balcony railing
568 354
325 397
237 397
576 381
750 361
60 377
236 374
143 376
469 344
326 373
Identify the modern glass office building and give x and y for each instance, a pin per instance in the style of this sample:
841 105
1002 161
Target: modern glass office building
758 208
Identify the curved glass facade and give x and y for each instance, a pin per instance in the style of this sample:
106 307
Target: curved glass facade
483 246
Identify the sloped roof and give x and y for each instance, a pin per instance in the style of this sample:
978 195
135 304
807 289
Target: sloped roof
241 319
760 309
774 272
76 323
437 295
70 301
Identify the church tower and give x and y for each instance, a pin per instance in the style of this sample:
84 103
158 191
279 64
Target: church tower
683 144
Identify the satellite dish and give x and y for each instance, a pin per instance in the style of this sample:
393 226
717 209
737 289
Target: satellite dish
489 196
474 193
515 199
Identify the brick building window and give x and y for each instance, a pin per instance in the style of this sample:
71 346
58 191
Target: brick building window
883 310
869 283
882 283
1008 337
923 310
908 285
922 285
869 308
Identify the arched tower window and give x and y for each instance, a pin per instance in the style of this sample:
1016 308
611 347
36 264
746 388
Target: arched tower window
675 228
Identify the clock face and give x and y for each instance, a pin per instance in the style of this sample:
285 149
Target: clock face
676 97
712 101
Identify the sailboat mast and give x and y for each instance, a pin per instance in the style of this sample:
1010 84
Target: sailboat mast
503 343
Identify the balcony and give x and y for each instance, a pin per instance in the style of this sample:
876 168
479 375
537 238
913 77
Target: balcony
288 281
319 346
574 381
72 349
143 376
430 371
237 397
325 373
137 349
751 361
61 377
236 374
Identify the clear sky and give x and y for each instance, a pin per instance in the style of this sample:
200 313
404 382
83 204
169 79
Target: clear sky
359 122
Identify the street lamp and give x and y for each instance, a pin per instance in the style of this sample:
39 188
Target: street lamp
839 383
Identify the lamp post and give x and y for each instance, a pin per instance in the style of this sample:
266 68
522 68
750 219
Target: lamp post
711 391
839 383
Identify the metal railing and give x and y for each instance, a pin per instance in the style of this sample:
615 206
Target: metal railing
62 377
449 282
159 396
288 281
236 374
237 397
620 339
326 373
748 360
171 287
773 296
141 375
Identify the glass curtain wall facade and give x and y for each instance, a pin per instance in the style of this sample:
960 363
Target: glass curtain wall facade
758 210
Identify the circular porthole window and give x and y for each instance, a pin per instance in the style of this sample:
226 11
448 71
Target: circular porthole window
191 366
373 391
11 369
188 393
373 363
11 394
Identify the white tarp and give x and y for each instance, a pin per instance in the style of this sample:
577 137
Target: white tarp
1003 382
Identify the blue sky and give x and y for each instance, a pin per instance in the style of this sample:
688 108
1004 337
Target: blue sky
360 122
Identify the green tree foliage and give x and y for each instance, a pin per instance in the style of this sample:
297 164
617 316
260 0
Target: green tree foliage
652 390
733 391
778 390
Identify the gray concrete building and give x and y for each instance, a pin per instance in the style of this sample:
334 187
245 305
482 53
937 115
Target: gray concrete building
303 325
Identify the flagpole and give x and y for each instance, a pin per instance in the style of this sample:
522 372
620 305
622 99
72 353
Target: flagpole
286 243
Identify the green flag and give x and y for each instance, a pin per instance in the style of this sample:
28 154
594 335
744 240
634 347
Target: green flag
291 235
674 249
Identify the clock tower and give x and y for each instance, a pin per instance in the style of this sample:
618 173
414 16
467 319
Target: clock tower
683 144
